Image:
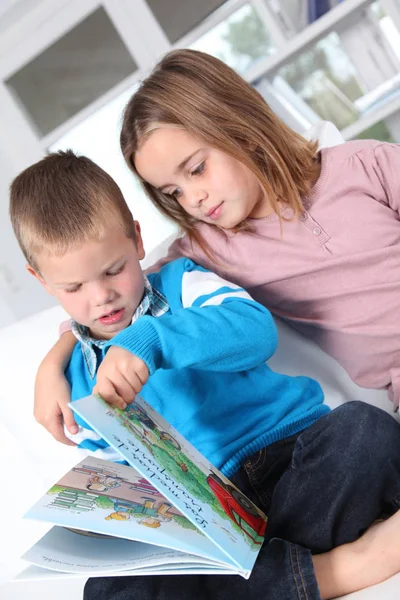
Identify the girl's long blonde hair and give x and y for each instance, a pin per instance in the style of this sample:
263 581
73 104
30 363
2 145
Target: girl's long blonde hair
201 94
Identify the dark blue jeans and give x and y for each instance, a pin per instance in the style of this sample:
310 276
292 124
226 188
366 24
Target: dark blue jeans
320 488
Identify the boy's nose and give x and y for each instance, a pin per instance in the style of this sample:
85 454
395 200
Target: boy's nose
102 294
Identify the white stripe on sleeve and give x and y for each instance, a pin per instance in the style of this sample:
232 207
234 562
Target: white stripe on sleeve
219 298
203 283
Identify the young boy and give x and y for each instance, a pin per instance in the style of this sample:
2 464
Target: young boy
195 346
203 341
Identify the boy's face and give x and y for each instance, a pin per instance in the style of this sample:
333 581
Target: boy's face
100 283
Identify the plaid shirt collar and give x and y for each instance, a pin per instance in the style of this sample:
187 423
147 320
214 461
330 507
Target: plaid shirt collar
153 302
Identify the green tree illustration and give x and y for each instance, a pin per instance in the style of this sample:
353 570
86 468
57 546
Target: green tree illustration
184 522
56 489
104 502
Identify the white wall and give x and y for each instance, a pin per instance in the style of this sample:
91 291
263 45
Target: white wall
20 294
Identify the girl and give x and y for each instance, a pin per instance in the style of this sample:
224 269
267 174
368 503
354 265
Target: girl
314 236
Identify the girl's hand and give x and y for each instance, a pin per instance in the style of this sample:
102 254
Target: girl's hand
52 391
120 377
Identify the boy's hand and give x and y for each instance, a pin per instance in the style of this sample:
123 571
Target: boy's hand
51 409
120 377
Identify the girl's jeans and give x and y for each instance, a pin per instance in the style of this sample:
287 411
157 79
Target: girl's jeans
320 488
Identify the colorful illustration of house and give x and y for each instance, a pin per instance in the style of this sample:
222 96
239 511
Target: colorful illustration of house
75 499
94 470
142 485
123 510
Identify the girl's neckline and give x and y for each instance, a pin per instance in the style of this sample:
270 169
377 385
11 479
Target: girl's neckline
323 176
286 211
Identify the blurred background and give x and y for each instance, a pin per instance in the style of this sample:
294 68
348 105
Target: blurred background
68 67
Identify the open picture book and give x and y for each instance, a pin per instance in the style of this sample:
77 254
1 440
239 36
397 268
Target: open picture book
168 511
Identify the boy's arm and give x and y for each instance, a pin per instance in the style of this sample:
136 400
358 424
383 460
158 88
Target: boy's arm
218 327
52 391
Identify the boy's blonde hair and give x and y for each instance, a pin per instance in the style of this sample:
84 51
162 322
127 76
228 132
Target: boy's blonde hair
201 94
62 201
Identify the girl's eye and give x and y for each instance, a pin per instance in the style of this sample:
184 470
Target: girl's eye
74 289
117 272
175 193
199 169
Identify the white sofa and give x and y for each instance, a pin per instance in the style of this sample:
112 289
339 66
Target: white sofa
31 461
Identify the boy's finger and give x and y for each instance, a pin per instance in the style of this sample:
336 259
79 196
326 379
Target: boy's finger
143 373
122 387
128 388
136 385
107 391
137 369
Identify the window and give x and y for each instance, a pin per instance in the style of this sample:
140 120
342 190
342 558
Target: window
177 17
73 72
379 131
326 80
239 41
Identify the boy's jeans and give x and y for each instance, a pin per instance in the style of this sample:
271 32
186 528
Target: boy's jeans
320 488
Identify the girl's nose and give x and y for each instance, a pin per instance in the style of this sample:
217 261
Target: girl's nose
196 196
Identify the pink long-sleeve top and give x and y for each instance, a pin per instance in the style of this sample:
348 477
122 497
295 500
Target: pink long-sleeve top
334 274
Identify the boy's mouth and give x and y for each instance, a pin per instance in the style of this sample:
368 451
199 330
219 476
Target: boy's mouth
113 317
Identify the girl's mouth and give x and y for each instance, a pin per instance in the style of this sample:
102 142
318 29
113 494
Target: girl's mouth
215 212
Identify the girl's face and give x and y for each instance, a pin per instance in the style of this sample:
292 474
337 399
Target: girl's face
209 185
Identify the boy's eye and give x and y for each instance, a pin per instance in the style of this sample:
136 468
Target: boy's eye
116 271
199 169
74 289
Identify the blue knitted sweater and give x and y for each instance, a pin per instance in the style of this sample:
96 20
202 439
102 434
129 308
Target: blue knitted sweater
208 373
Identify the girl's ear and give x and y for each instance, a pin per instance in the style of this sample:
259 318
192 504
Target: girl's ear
139 242
39 277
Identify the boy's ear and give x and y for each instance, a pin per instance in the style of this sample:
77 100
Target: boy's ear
39 277
139 242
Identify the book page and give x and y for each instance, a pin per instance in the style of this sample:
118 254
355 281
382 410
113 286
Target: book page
186 479
69 551
115 500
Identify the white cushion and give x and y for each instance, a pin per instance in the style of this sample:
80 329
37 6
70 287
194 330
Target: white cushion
326 133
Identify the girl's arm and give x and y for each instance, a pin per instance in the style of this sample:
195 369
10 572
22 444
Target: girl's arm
178 248
385 164
52 391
